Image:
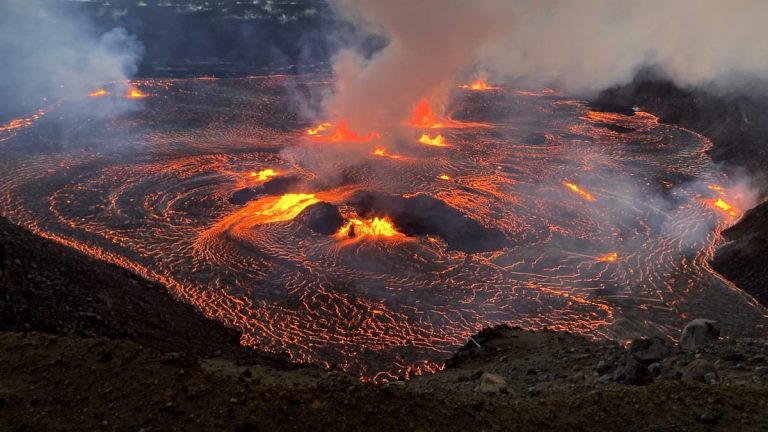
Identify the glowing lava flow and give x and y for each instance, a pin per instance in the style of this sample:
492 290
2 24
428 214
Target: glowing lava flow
444 177
581 192
423 117
382 152
134 93
479 85
319 128
720 203
98 93
342 133
263 175
9 129
609 257
437 141
278 209
373 227
724 206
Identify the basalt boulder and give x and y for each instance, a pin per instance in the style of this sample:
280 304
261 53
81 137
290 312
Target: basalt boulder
699 333
322 218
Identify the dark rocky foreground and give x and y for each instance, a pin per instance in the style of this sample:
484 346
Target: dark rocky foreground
88 346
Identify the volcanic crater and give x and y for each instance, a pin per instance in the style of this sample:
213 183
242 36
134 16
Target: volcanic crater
529 209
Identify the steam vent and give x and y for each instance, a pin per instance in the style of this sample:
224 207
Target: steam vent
369 215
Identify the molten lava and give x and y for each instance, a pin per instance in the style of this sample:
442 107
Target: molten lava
724 206
319 128
376 227
720 203
283 208
134 93
715 187
581 192
424 117
479 85
437 141
98 93
609 257
382 152
444 177
342 133
263 175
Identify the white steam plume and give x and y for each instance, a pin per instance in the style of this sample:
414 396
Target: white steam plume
49 51
581 46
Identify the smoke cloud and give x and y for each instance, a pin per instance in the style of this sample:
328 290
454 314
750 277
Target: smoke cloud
578 46
50 53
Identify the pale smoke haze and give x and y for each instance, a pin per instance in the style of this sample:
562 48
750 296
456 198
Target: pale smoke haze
578 46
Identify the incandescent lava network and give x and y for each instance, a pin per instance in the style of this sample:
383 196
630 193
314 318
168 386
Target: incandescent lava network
382 255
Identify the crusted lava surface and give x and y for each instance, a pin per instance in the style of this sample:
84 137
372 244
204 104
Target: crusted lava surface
536 210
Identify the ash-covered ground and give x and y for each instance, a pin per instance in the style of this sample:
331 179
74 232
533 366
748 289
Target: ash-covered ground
535 211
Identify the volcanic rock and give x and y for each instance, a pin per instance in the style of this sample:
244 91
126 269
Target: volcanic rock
649 350
322 218
242 196
281 185
425 215
273 186
743 259
699 333
698 370
491 383
737 125
634 373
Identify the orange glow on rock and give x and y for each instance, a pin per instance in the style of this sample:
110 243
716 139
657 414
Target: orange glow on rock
98 93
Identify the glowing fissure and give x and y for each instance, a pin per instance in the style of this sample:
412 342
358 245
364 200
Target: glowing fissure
579 191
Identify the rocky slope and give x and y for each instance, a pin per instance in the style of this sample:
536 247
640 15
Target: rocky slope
47 287
518 380
744 258
736 124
